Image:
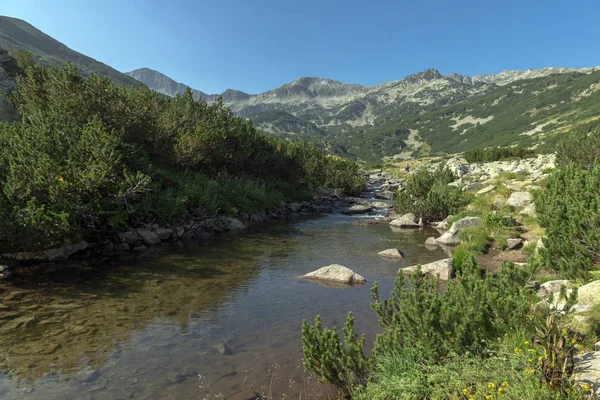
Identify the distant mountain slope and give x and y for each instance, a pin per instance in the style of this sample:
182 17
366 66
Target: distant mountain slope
17 34
162 83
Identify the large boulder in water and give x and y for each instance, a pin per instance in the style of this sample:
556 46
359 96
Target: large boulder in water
451 237
445 269
391 253
358 209
406 221
335 273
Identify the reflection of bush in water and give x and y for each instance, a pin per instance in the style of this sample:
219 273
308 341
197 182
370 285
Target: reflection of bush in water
78 325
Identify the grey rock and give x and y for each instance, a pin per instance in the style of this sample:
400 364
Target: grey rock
553 287
473 187
178 232
519 199
336 273
121 247
445 269
149 237
486 190
498 203
174 377
528 211
296 207
140 248
164 233
431 242
129 237
57 254
405 221
587 370
188 236
444 225
391 253
452 236
234 224
514 243
224 349
203 237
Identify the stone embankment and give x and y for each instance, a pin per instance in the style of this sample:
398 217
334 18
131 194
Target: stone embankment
205 228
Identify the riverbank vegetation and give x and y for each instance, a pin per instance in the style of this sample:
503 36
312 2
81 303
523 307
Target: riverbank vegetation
485 334
90 158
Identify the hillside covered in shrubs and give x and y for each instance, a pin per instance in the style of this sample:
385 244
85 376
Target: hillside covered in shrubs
90 158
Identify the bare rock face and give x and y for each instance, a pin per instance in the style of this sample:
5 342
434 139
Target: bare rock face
336 273
445 268
391 253
451 237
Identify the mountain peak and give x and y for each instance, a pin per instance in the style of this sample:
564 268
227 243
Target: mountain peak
425 76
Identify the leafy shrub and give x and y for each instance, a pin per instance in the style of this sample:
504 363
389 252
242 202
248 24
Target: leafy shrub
428 196
497 154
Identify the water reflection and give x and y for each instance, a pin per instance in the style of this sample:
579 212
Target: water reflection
194 322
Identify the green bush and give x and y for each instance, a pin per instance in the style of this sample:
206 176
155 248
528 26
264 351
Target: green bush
580 147
325 356
568 209
428 196
90 158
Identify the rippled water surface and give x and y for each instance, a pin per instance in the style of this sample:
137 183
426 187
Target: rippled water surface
194 322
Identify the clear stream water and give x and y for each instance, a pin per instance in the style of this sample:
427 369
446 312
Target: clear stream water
195 322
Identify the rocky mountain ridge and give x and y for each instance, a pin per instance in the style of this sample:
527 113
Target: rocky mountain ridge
423 114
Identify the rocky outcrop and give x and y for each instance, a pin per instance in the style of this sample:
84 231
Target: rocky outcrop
336 273
391 253
444 268
452 236
406 221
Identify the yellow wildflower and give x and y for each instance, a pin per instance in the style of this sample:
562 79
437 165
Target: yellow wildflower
488 397
573 341
526 343
505 384
61 179
586 387
500 389
491 385
465 391
529 360
517 350
471 397
564 331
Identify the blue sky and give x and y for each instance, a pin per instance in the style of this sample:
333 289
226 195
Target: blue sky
256 45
